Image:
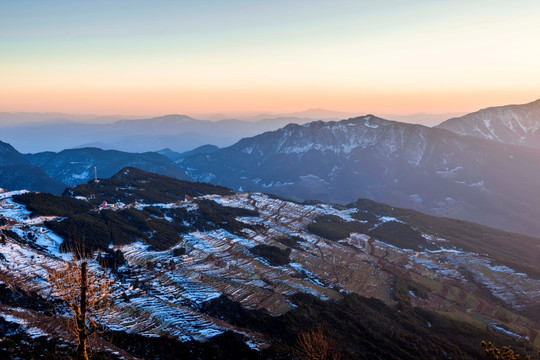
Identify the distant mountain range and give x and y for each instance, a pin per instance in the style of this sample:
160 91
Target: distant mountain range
76 166
53 172
428 169
39 132
178 132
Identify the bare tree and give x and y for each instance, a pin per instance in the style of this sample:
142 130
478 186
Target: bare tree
87 294
315 345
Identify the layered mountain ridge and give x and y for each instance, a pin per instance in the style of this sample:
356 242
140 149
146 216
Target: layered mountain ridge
429 169
178 132
76 166
53 172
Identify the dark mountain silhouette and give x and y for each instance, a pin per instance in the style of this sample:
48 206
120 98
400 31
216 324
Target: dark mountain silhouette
16 172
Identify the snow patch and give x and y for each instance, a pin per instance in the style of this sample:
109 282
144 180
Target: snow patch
33 332
9 194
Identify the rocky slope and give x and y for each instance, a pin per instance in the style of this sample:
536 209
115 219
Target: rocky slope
510 124
432 170
206 262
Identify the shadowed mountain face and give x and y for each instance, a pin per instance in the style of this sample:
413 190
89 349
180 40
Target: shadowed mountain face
432 170
16 172
10 156
53 172
511 124
76 166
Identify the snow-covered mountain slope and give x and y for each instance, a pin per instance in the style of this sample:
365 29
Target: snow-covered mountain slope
510 124
243 262
427 169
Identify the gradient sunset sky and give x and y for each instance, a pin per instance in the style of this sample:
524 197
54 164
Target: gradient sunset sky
159 57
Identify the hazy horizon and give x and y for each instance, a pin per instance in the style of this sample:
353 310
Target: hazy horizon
22 117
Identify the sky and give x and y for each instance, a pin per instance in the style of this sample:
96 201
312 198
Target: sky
159 57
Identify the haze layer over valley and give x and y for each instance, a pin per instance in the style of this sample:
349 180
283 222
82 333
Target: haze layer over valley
492 181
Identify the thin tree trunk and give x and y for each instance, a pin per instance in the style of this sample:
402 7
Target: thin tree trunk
81 319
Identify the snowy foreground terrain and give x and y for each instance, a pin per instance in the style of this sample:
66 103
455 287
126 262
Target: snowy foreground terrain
161 293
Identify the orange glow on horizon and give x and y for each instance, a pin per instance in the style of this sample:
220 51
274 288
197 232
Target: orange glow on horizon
359 57
154 103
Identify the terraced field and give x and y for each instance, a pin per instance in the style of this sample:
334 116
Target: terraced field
277 254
